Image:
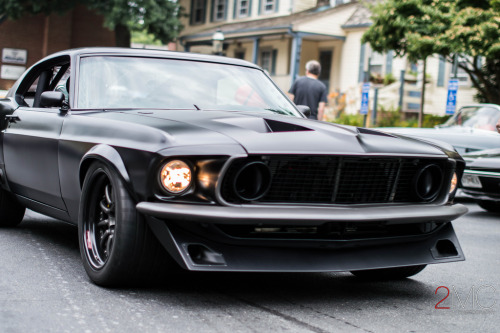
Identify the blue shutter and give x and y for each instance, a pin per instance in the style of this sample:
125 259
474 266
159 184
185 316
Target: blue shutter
361 74
212 11
273 62
388 62
441 68
479 62
191 20
204 12
276 5
260 7
235 7
249 8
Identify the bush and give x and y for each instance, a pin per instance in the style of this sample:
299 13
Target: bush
388 79
392 118
350 119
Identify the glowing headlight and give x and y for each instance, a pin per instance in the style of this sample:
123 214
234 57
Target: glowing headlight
454 182
175 176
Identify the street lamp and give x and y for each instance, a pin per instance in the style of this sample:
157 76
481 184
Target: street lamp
217 42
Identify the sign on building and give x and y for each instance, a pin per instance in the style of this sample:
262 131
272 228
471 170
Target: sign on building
365 98
451 100
14 56
9 72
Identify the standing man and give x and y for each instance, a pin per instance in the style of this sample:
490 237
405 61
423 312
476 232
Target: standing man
308 90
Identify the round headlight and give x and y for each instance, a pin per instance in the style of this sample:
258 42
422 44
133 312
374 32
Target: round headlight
454 182
175 176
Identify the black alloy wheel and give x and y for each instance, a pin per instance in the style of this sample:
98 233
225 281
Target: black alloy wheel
99 227
116 244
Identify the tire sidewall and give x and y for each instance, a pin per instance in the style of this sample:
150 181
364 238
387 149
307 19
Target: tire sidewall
116 266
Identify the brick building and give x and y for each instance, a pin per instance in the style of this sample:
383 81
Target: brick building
34 37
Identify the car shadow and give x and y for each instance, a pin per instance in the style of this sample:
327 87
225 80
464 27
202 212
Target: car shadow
241 287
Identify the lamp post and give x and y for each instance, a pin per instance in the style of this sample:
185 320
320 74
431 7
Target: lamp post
217 42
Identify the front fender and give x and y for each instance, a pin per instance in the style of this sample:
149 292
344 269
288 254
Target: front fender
105 154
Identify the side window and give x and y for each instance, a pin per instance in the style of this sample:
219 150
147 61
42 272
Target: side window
63 84
29 96
52 79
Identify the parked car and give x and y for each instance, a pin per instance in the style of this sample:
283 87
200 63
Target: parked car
481 179
471 128
206 158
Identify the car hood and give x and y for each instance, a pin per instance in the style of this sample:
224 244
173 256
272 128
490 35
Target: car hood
464 139
267 133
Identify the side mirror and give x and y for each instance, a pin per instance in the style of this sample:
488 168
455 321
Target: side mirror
50 99
305 110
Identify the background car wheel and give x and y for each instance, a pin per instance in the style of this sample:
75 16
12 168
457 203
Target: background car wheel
11 211
490 206
116 244
389 273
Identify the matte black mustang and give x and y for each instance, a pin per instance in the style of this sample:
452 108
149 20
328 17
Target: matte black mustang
205 157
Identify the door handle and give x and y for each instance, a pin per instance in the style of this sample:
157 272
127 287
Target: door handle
11 118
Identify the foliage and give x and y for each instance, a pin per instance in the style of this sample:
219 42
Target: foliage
392 118
420 28
350 119
15 9
142 37
389 78
159 18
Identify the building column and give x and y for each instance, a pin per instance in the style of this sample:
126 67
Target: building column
295 56
255 51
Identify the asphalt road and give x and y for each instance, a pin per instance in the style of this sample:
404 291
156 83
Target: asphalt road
44 288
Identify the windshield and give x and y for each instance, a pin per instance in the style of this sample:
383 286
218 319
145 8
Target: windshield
133 82
481 117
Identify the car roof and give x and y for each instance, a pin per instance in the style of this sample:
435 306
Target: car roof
120 51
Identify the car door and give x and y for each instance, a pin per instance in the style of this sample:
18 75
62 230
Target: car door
31 140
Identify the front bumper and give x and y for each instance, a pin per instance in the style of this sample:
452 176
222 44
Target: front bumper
180 229
301 215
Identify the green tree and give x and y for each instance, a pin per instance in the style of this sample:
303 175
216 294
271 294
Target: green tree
469 29
15 9
160 18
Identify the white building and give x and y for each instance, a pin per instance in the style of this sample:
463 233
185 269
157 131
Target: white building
282 35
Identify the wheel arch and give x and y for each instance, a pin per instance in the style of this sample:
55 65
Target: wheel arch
107 155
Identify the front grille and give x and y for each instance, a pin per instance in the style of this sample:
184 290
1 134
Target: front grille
330 231
334 179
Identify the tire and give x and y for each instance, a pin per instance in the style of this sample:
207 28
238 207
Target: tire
490 206
11 211
116 244
396 273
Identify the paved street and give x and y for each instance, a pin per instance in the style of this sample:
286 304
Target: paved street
44 288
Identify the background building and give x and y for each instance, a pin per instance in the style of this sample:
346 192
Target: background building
25 41
282 35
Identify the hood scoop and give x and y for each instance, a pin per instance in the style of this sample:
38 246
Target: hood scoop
262 125
368 131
